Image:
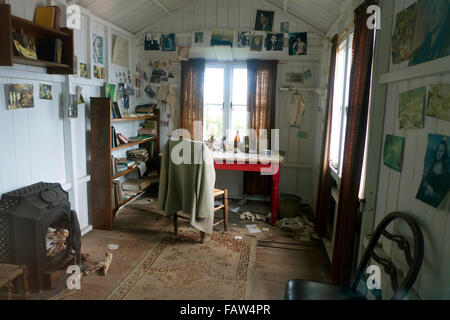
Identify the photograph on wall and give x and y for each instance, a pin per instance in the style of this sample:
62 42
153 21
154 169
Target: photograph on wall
432 31
45 92
120 51
243 39
222 38
411 108
159 73
200 38
73 106
298 44
284 27
393 152
436 177
168 42
83 70
183 53
110 91
19 96
256 41
403 38
152 42
264 20
439 102
98 49
97 72
274 41
298 77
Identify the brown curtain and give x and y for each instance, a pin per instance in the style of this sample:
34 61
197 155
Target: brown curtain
360 83
191 95
262 79
323 195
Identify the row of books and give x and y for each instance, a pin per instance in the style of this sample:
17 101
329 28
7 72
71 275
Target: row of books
138 155
147 109
120 165
115 111
122 192
118 139
150 128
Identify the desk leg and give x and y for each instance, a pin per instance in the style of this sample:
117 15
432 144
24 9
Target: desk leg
274 196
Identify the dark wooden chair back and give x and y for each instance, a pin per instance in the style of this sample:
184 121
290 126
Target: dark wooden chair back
414 262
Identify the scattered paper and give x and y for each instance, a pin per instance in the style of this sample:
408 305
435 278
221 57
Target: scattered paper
253 228
235 210
238 237
266 229
112 247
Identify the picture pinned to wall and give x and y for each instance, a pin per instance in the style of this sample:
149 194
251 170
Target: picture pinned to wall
432 31
152 42
403 38
120 51
393 152
435 184
284 27
274 41
264 20
110 91
298 77
98 49
439 102
45 92
73 106
97 72
19 96
183 53
83 70
160 72
298 44
411 108
243 39
222 38
168 42
201 38
256 41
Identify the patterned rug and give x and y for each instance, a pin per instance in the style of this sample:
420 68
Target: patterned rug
183 269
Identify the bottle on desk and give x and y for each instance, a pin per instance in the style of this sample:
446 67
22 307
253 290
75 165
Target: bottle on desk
236 142
247 144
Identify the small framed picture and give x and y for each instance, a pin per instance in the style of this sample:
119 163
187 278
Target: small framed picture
201 38
284 27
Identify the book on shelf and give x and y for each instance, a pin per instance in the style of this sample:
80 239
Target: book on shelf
48 16
117 193
129 194
147 132
58 51
136 185
147 109
138 155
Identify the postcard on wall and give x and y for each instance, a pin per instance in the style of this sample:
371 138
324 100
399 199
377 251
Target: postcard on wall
257 41
243 39
411 108
152 42
393 152
284 27
45 92
183 53
403 38
298 44
73 106
432 31
83 70
298 77
436 176
222 38
168 42
97 72
120 54
19 96
98 49
201 39
439 102
264 20
274 41
110 91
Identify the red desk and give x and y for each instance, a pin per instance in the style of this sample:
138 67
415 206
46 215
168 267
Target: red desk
244 162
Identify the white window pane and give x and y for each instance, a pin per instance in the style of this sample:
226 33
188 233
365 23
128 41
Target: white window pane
213 121
239 86
239 121
214 86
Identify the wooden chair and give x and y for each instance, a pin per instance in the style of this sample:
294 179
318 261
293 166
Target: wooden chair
310 290
224 207
9 273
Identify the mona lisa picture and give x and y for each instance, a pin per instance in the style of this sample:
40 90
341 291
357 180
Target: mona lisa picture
436 178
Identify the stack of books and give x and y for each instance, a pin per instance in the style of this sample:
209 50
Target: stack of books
117 194
120 165
138 155
150 129
147 109
118 139
138 185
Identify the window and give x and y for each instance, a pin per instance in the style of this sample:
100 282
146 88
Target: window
340 103
225 101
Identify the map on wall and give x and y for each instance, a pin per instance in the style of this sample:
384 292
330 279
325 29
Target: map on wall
120 52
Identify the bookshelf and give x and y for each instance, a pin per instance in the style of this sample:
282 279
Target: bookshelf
101 166
42 35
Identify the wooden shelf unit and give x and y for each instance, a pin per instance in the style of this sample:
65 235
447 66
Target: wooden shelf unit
41 35
101 166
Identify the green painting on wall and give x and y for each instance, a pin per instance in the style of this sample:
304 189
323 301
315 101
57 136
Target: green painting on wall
393 152
411 108
439 102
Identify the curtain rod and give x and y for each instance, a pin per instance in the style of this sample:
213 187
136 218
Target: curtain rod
347 29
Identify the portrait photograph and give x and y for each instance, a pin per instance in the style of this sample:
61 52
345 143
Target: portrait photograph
264 20
298 44
152 42
274 41
243 39
284 27
436 177
256 42
168 42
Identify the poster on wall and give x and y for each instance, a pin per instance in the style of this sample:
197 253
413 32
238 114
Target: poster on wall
403 38
436 177
222 38
284 27
264 20
152 42
120 54
19 96
439 102
432 31
45 92
168 42
274 41
411 109
393 152
243 39
200 38
298 44
256 41
98 49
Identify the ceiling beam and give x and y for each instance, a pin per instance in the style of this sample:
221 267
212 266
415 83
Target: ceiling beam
313 27
159 4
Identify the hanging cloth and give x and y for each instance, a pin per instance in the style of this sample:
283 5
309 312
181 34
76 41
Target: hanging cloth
297 111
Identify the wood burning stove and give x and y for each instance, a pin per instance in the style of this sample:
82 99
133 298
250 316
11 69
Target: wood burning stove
27 217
